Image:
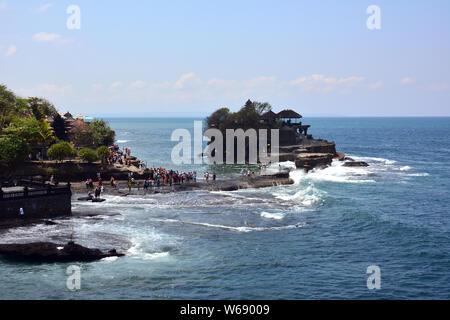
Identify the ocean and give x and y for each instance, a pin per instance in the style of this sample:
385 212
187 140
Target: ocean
311 240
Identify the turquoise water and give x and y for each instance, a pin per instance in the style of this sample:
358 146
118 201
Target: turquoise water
312 240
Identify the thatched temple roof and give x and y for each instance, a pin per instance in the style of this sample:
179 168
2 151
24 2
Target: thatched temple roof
269 115
289 114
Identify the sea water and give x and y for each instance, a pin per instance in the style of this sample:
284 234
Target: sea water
311 240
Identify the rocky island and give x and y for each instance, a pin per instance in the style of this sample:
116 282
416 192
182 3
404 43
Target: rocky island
295 144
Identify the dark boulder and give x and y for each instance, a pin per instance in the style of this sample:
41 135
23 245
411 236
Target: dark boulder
85 198
340 156
308 161
48 252
356 164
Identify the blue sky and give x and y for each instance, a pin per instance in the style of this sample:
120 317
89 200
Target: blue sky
188 58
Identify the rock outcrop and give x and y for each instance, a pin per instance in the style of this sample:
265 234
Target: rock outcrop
50 252
310 154
355 164
309 161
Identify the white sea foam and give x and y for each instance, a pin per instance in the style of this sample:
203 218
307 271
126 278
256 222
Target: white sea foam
268 215
151 256
231 228
405 168
422 174
109 259
373 159
147 245
123 141
338 173
308 196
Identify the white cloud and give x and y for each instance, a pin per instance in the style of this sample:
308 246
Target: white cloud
116 84
187 79
46 90
10 51
46 37
138 84
406 80
376 85
221 83
438 87
97 87
259 81
323 84
189 87
44 7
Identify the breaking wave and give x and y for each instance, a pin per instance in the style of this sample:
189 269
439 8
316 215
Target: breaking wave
268 215
247 228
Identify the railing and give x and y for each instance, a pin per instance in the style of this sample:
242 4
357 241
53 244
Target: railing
33 193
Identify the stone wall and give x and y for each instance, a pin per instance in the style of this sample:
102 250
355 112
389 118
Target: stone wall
37 207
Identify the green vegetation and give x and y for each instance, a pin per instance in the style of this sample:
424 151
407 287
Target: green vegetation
31 125
35 132
93 135
59 127
103 153
13 150
249 116
102 133
61 151
88 155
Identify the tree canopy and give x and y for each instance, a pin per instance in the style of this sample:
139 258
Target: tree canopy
249 116
61 151
13 150
35 123
88 155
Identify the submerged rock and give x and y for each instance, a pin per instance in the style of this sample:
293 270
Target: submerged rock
49 252
356 164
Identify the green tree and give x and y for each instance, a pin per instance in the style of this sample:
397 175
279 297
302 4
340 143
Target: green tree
218 117
61 151
7 105
88 155
82 137
34 132
41 108
59 126
13 150
101 133
103 153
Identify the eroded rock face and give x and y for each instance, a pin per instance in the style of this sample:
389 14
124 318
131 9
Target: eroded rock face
356 164
49 252
309 161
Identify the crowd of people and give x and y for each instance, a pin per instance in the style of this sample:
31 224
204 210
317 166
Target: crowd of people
247 172
122 157
95 191
155 177
162 176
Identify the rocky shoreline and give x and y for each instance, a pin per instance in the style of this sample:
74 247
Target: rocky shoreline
226 184
46 252
315 153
